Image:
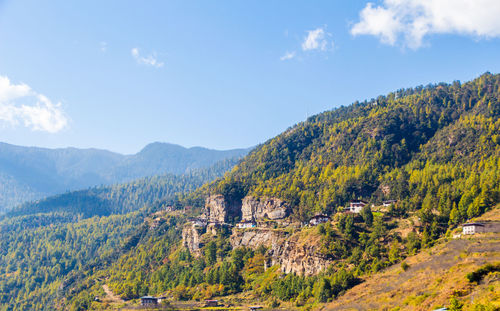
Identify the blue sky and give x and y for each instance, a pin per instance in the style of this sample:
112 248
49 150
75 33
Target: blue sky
221 74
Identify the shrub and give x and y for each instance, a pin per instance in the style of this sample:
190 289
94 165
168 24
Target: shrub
404 266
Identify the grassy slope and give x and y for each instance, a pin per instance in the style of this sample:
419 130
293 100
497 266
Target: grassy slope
434 276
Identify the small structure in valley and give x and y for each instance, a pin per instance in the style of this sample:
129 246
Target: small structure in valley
148 301
252 308
318 219
246 224
356 206
472 228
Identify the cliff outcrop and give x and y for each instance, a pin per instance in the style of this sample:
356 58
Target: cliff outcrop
218 209
296 253
191 238
253 208
255 237
298 256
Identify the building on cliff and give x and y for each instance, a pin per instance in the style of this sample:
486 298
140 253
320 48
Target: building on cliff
246 224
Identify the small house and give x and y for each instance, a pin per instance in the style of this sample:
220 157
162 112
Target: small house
252 308
318 219
357 205
472 228
389 203
245 224
148 301
211 303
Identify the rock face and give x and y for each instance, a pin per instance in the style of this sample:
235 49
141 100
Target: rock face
300 258
253 209
191 234
291 251
254 237
217 209
287 251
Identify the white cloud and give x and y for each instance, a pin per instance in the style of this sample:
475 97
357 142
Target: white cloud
20 104
149 60
412 20
287 56
316 40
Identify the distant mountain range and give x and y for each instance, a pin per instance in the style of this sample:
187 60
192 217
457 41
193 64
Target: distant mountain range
30 173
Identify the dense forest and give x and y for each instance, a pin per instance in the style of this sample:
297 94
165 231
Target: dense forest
434 149
45 241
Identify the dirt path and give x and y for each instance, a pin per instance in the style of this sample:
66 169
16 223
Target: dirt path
111 295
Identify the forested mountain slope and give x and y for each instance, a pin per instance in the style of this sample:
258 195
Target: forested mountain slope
384 149
67 235
435 150
29 173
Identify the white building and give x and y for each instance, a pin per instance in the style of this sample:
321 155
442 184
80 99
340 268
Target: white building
389 203
245 224
356 206
472 228
318 219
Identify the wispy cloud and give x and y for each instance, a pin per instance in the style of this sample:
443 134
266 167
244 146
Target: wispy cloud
409 21
150 60
317 40
288 56
19 104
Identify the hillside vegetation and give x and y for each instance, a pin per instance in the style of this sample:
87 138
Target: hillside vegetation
49 244
434 149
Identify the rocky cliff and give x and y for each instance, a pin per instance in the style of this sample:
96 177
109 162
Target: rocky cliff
261 208
191 238
293 252
217 209
301 257
255 237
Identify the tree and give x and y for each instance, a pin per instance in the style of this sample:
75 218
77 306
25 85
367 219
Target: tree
324 290
366 213
211 253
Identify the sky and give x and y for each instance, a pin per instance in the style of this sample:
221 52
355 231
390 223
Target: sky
118 75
